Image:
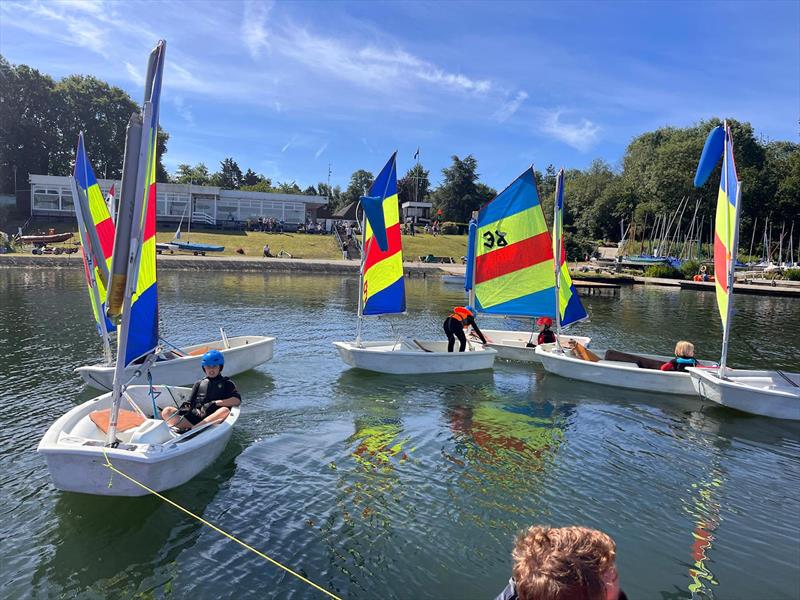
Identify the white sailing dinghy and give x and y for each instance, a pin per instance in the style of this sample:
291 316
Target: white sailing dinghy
382 292
619 369
79 444
173 366
511 269
768 393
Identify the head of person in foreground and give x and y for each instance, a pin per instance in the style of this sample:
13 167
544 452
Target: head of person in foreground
565 563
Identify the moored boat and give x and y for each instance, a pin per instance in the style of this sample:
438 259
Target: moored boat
41 240
411 357
519 345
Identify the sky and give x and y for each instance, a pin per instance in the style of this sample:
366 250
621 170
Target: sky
289 88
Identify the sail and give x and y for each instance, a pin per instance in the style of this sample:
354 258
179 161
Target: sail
97 232
570 306
726 229
384 288
513 270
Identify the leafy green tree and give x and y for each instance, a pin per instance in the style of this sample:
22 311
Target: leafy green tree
229 177
360 182
415 186
198 174
288 188
263 185
310 191
333 194
458 195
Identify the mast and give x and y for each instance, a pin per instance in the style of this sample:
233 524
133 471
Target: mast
474 250
361 272
752 239
557 254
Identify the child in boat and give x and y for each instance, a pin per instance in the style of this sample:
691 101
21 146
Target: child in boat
211 399
546 336
460 319
684 357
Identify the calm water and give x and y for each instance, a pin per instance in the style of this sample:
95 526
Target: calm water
391 487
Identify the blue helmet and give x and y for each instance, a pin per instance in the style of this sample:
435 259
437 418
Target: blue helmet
213 358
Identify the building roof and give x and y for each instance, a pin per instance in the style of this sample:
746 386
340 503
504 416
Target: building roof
347 212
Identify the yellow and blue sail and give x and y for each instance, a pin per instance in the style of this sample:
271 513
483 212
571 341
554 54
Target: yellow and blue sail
143 334
383 288
569 302
100 222
510 262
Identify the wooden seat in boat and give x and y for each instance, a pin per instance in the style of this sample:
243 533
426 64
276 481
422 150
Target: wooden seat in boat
127 419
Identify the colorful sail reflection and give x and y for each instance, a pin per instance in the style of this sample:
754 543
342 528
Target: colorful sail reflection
512 257
384 288
99 229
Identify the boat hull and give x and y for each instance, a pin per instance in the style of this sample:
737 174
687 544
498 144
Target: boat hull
76 466
512 345
245 353
406 358
616 374
763 393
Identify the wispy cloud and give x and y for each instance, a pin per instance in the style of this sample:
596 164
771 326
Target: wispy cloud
581 136
184 110
366 144
136 76
321 150
509 108
288 144
254 27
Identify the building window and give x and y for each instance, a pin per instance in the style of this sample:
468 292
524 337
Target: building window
46 200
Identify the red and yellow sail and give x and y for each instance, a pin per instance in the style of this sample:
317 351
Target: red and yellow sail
726 228
384 288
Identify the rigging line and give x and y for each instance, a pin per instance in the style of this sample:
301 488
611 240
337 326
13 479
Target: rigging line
762 357
218 530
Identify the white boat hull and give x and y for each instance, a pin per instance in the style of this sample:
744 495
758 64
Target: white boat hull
76 456
763 393
617 374
512 345
406 358
244 353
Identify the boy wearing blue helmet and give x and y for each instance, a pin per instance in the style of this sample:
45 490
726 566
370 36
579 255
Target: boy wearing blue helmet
211 399
460 319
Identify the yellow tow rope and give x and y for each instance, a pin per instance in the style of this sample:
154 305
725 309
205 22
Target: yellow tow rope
218 530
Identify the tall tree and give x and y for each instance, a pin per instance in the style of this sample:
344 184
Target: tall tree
229 176
458 195
310 191
360 182
251 178
415 186
198 174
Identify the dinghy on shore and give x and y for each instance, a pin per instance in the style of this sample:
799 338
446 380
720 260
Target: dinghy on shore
382 292
83 444
512 270
173 366
767 393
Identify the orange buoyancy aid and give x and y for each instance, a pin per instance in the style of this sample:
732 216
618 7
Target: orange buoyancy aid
461 314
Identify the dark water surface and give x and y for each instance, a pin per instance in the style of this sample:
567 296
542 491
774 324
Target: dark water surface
391 487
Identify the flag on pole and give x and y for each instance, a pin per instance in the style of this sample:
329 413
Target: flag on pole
416 154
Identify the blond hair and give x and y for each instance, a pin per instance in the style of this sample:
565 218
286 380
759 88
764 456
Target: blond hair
564 563
684 349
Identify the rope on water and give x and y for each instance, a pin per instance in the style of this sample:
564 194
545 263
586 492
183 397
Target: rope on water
218 530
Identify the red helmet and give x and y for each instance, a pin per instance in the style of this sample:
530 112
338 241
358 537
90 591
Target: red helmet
544 321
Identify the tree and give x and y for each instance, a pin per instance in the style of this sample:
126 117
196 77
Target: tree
458 195
161 149
250 178
415 186
264 185
229 177
197 175
310 191
333 194
360 182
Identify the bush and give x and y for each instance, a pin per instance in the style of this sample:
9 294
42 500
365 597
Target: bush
578 247
449 228
663 272
690 268
792 274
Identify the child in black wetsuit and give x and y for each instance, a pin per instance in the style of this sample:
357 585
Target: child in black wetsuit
460 319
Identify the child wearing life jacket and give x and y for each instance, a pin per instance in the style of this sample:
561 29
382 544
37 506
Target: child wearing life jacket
684 357
546 336
460 319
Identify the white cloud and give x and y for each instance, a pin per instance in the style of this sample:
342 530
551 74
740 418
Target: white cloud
321 150
184 110
509 108
581 136
254 27
135 74
288 144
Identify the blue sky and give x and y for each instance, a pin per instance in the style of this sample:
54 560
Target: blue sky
286 88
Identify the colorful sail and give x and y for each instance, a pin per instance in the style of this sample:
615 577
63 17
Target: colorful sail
570 305
384 289
98 229
512 255
726 228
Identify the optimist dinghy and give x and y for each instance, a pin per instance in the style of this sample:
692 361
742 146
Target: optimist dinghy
382 291
173 366
512 270
79 445
767 393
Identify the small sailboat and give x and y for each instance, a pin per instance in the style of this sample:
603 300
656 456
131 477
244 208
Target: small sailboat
768 393
80 444
511 270
382 292
619 369
174 366
195 248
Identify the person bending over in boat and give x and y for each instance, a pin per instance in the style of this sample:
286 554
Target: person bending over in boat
460 319
563 563
546 335
684 357
211 399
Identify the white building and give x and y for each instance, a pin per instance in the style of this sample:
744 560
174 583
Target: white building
419 212
51 196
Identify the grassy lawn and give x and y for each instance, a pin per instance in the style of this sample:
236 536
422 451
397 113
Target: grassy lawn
441 245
